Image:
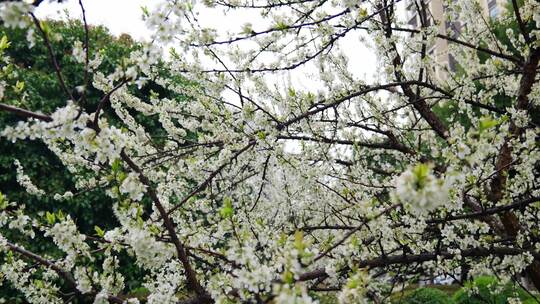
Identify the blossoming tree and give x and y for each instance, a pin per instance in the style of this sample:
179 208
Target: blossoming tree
261 190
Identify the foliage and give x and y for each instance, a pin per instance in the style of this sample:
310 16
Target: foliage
427 295
487 289
43 93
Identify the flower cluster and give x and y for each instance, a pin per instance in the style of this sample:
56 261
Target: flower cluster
26 182
420 189
133 187
67 237
355 289
14 13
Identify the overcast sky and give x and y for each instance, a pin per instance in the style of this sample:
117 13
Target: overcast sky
124 16
120 16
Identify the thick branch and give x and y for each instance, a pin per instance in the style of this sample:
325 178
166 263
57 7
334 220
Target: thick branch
191 276
68 278
486 212
388 145
337 102
61 272
419 258
25 113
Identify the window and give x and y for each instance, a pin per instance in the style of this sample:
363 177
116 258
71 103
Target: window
493 8
452 63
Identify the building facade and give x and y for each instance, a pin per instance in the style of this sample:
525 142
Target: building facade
436 14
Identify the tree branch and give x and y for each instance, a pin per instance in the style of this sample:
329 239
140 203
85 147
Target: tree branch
25 113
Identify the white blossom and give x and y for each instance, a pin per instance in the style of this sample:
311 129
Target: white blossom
419 188
13 13
25 181
133 187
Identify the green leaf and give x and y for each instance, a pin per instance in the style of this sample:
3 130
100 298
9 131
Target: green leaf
363 13
4 43
60 215
38 283
292 92
45 27
121 176
9 256
140 221
116 165
281 26
261 135
3 201
421 172
487 123
19 86
227 208
115 190
247 29
299 240
310 97
154 229
282 239
174 54
355 242
288 277
99 231
51 218
145 11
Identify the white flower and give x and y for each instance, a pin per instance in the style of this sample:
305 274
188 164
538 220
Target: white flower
419 188
514 301
84 284
96 62
67 237
13 13
78 52
25 181
164 289
2 89
355 289
22 223
133 187
520 117
61 197
31 37
131 72
462 150
101 298
293 294
150 253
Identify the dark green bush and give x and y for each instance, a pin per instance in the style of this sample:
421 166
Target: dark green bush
426 295
489 291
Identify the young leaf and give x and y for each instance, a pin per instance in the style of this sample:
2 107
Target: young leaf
227 208
51 218
99 231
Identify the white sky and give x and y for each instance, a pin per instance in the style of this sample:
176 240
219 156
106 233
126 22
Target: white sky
124 16
120 16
